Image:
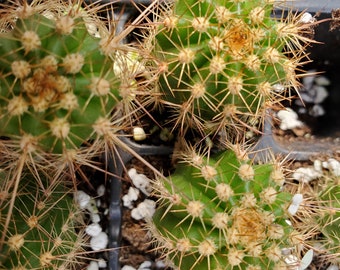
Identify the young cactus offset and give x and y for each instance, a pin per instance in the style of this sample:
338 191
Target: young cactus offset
57 82
223 212
223 62
44 231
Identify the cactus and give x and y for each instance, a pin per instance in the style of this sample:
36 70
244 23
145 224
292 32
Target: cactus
62 74
58 86
222 212
319 214
329 221
222 63
45 226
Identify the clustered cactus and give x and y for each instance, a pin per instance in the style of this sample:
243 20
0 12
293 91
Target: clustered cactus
222 62
220 65
223 212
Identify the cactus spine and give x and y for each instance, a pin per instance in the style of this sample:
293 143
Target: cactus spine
222 62
222 212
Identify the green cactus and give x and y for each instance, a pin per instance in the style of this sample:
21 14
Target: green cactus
222 62
57 85
62 73
45 226
223 212
329 222
317 215
326 219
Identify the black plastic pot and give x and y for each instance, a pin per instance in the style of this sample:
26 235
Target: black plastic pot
325 58
116 167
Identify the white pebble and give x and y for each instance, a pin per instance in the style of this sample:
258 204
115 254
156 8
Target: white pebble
333 267
101 190
139 134
291 260
288 222
321 94
334 166
93 266
292 209
317 110
128 267
93 229
306 175
82 198
145 265
306 18
130 197
302 110
306 97
317 165
308 79
289 119
102 263
95 218
160 264
294 206
92 206
99 242
140 181
322 80
278 88
306 260
145 209
297 199
99 203
325 164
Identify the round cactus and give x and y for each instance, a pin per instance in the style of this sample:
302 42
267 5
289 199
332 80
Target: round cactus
223 63
222 212
329 222
58 87
44 229
326 220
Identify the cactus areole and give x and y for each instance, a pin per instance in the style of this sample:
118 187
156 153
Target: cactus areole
55 82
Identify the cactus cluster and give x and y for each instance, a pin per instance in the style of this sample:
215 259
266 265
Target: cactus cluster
223 212
222 63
